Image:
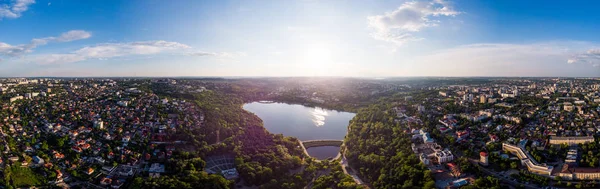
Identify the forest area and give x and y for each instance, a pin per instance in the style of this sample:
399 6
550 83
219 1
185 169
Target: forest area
261 158
378 148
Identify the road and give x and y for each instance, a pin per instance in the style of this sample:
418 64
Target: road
352 173
345 165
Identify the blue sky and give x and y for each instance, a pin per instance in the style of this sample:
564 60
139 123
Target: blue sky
299 38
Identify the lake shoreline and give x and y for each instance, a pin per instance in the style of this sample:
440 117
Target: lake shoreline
304 123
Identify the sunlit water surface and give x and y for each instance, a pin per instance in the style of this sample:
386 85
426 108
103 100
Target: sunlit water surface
304 123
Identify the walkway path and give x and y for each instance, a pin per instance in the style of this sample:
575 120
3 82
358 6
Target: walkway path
352 173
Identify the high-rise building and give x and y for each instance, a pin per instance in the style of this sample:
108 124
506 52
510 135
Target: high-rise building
483 158
482 99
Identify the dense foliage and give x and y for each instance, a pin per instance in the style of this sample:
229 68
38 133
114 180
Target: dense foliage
18 176
188 181
315 174
335 179
229 129
379 149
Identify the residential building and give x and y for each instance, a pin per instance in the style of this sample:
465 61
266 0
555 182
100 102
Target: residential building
99 124
571 140
16 98
424 159
483 158
482 99
567 106
537 168
38 160
514 150
579 173
444 156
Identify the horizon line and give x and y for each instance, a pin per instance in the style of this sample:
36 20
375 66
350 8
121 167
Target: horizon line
360 77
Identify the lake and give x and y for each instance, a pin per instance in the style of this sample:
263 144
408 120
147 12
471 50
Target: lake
304 123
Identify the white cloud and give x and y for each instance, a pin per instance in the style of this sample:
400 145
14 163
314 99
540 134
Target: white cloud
222 57
18 50
201 53
543 59
57 58
99 51
14 8
73 35
218 54
399 25
109 50
10 50
591 56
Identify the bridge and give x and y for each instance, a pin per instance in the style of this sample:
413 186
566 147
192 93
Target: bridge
317 143
325 142
331 142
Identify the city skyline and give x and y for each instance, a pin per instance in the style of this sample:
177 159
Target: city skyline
299 38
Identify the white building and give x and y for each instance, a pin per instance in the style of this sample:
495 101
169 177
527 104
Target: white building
38 160
424 159
567 106
571 156
537 168
99 124
571 140
122 103
444 156
49 127
126 139
531 164
16 98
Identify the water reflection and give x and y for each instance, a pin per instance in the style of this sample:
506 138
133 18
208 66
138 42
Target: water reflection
323 152
318 116
304 123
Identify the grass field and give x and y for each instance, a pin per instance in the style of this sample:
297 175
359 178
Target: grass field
24 176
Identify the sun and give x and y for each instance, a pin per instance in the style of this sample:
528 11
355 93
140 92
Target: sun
317 60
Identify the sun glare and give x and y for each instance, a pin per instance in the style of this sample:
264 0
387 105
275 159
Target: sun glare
317 60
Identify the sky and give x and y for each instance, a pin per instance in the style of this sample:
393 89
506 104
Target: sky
349 38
